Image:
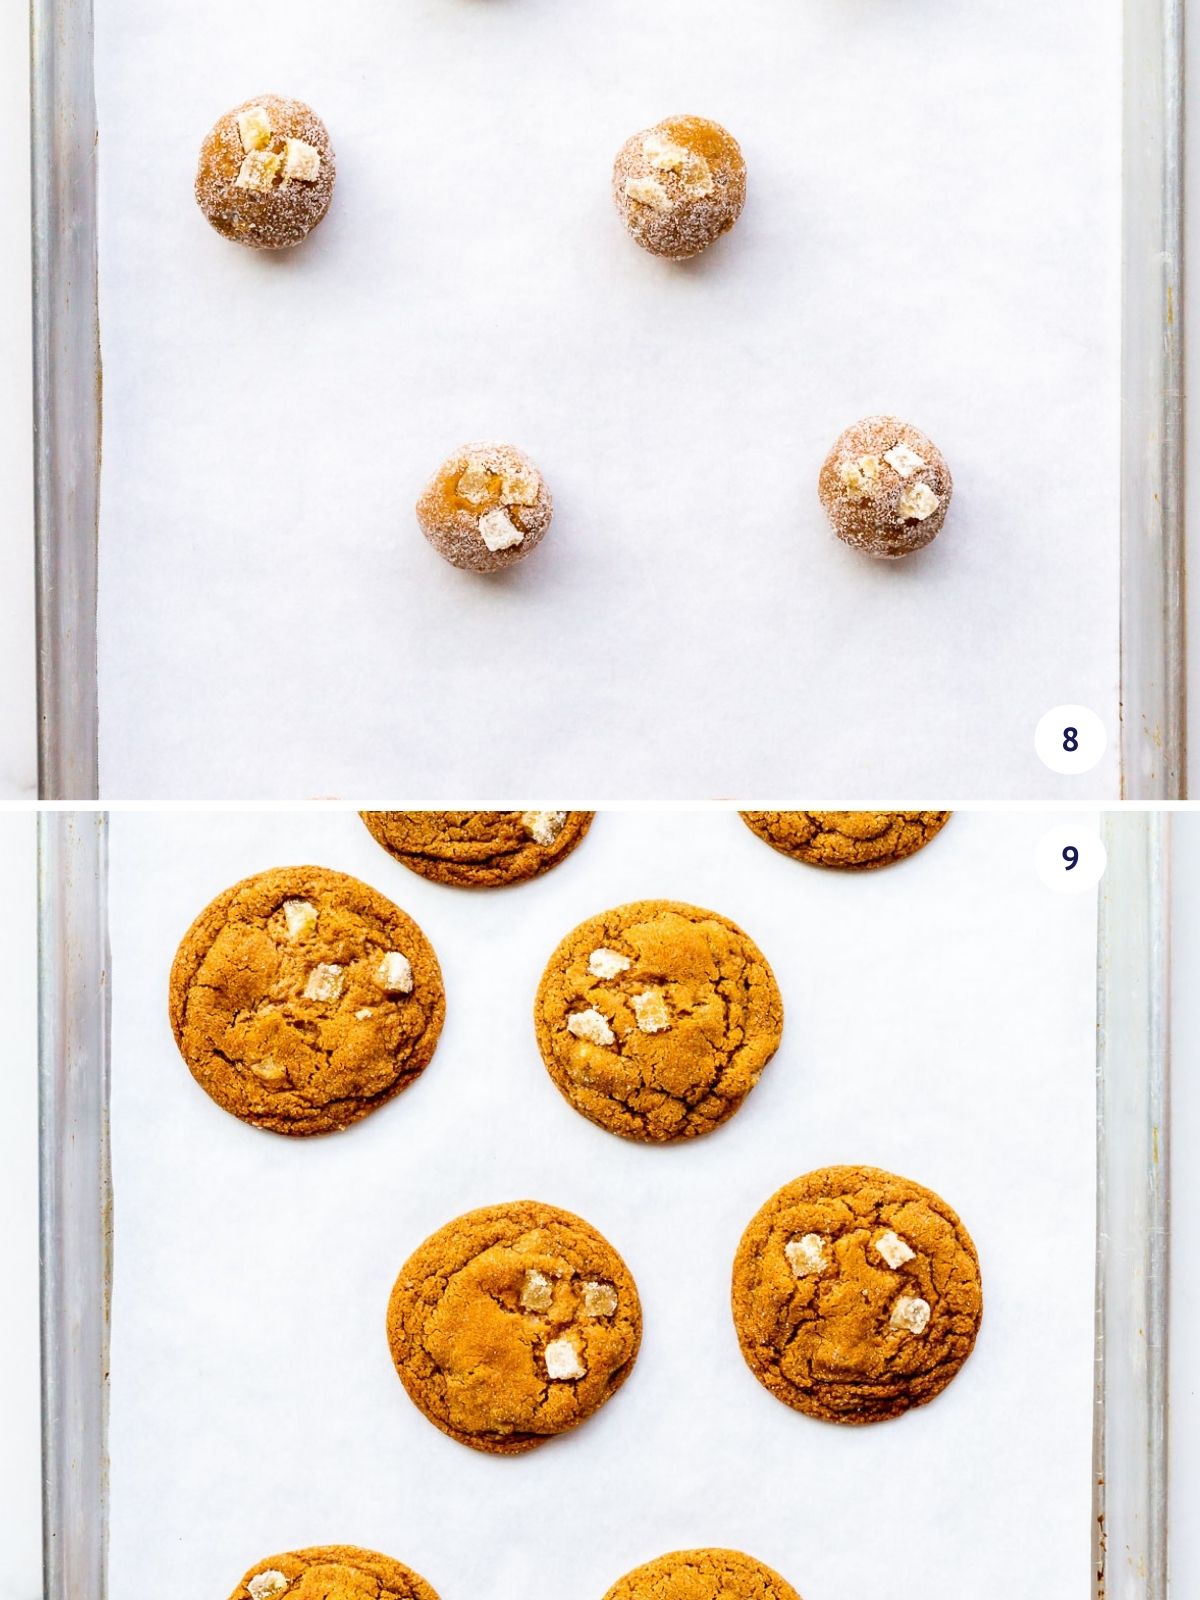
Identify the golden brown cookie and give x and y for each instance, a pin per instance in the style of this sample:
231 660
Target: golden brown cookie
266 172
301 999
679 186
851 840
885 487
486 507
512 1324
332 1572
702 1575
656 1019
479 849
856 1294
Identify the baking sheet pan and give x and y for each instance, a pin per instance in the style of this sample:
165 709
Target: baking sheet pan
271 622
252 1273
1127 1561
20 1437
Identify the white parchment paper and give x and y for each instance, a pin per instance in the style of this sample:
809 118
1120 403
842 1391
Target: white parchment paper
932 230
939 1022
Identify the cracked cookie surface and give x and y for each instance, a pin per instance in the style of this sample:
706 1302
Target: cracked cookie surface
302 999
656 1019
856 1294
702 1575
332 1572
478 849
512 1324
854 841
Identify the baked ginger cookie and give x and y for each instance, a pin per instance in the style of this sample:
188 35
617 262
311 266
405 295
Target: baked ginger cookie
478 849
332 1572
656 1019
512 1324
702 1575
854 841
301 999
856 1295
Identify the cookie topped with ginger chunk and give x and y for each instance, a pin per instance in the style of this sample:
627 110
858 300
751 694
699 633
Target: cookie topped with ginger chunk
512 1324
656 1019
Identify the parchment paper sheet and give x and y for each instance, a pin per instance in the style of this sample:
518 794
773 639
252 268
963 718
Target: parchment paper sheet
933 230
940 1023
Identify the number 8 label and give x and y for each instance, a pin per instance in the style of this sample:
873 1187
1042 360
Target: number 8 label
1070 739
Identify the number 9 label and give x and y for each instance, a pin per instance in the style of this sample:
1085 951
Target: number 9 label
1071 859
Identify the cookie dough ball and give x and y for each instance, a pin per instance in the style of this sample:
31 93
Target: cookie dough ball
485 508
702 1575
655 1020
266 173
479 849
856 1295
512 1324
332 1572
886 487
301 1000
854 841
680 185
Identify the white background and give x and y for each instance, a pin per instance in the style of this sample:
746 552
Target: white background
932 230
940 1022
20 1449
18 756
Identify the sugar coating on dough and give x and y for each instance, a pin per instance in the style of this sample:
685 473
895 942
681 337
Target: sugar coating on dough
479 849
266 173
665 1041
491 1357
861 1338
850 840
885 487
332 1572
680 185
485 508
702 1575
277 1003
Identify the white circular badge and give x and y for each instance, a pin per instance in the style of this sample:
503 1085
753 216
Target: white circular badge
1070 739
1071 859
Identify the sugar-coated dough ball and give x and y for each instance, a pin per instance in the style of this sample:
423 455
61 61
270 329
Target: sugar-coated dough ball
266 173
680 185
886 487
485 508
